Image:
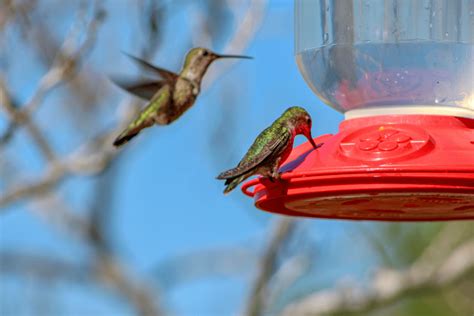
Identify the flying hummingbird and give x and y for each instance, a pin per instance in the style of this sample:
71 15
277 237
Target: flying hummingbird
170 95
271 148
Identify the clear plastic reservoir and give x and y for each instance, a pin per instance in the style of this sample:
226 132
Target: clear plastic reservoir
400 56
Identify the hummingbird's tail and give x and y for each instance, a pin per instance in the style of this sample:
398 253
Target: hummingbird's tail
146 117
143 120
232 183
132 130
124 137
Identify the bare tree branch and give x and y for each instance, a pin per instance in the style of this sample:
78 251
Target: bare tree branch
106 266
19 118
33 189
89 159
11 9
94 156
8 133
281 233
65 63
388 286
90 162
290 271
245 32
450 235
105 270
40 266
64 67
111 273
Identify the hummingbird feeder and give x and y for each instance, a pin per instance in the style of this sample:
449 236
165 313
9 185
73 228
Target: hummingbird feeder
403 75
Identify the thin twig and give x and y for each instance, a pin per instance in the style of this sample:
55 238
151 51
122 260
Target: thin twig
18 117
34 189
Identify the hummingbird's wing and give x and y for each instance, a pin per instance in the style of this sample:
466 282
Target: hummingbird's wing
144 89
146 117
169 76
260 151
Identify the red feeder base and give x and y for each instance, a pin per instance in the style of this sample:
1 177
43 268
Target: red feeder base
393 168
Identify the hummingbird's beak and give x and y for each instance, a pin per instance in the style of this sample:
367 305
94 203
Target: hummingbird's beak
310 138
234 56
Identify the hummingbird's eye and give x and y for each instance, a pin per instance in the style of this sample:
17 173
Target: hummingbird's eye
205 53
308 120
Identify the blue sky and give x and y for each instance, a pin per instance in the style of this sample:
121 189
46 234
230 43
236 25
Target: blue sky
167 202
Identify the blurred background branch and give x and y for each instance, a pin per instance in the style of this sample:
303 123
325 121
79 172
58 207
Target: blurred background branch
389 285
282 231
64 61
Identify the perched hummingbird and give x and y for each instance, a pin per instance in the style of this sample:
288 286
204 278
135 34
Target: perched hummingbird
271 148
172 94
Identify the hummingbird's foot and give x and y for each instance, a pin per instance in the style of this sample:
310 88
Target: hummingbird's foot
274 177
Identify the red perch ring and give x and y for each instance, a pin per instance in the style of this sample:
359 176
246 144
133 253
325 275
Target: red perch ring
391 168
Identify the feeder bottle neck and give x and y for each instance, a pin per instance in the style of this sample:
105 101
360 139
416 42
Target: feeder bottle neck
411 110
